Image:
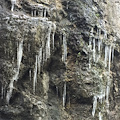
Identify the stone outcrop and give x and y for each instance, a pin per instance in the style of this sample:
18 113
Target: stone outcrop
59 60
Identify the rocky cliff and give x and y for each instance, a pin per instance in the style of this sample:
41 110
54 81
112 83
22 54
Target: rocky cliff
59 60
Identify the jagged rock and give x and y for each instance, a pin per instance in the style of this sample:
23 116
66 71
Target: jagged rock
59 60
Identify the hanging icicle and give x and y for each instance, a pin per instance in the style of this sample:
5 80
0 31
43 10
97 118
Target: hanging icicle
32 13
112 54
53 34
94 105
64 55
106 55
35 13
90 43
90 46
30 75
39 60
48 41
94 51
100 116
99 45
91 32
15 77
19 54
105 35
13 2
64 95
2 92
57 91
45 12
109 59
35 75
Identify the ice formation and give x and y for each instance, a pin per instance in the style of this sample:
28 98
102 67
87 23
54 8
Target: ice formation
64 94
35 75
13 2
64 55
15 76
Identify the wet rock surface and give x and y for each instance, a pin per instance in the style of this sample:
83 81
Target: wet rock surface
59 60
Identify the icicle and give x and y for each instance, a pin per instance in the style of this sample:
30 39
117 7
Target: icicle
94 50
99 44
90 43
101 96
64 56
39 60
106 55
53 34
19 53
45 12
48 41
32 13
99 48
90 46
15 77
29 47
2 92
105 34
98 33
13 2
9 93
41 13
57 91
35 75
112 54
43 57
94 105
64 94
107 92
100 116
91 32
67 5
30 75
109 59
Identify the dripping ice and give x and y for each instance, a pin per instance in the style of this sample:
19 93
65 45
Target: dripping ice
15 77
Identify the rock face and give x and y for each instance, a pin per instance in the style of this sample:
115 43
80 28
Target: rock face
59 60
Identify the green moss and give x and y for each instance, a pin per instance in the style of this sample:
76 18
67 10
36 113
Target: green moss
97 15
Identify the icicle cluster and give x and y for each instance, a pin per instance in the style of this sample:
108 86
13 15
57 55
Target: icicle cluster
109 54
44 52
40 11
97 97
